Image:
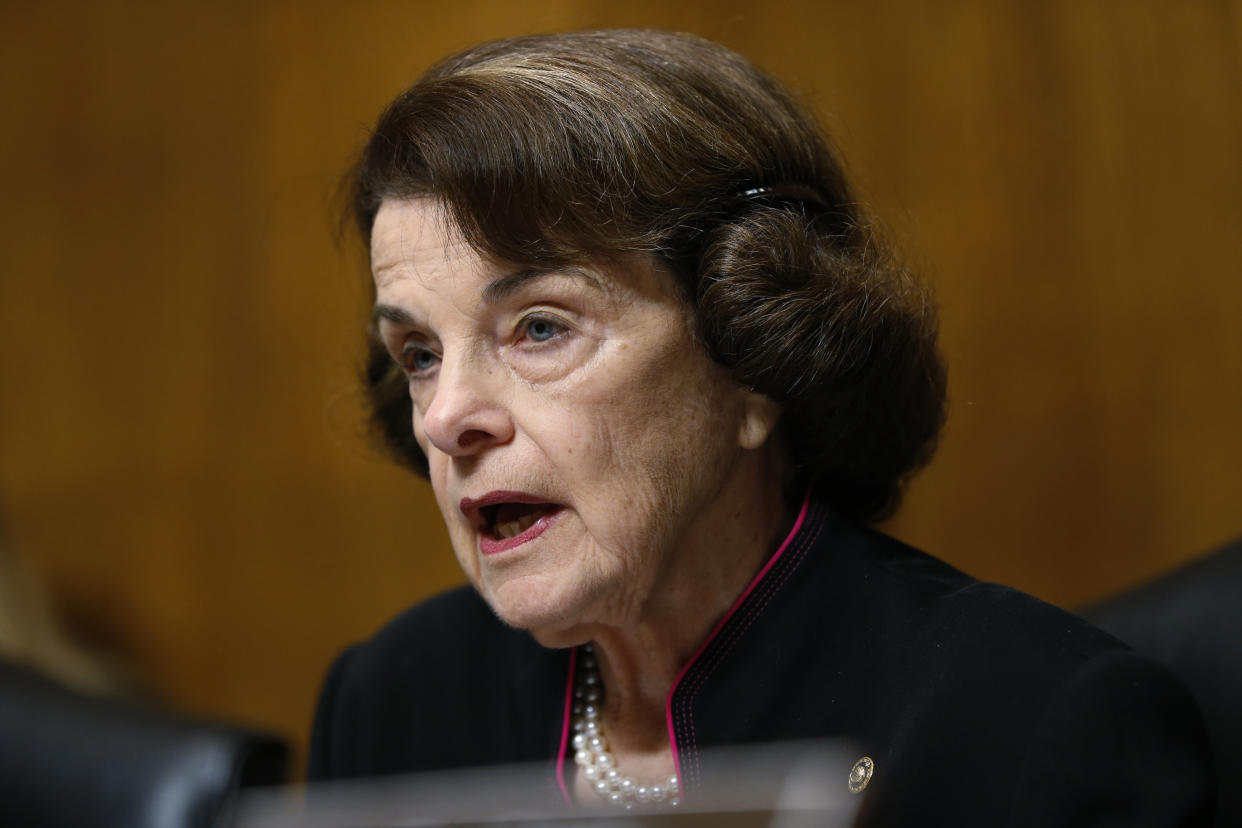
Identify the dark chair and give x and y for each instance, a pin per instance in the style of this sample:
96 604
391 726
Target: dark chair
1191 621
70 760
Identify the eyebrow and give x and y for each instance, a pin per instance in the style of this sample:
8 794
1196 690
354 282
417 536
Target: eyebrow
496 291
394 314
505 286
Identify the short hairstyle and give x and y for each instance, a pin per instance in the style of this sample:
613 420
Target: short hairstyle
554 149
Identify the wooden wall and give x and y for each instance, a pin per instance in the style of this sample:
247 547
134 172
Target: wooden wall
181 452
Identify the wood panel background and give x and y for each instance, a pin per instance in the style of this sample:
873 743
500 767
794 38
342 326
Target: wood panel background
181 451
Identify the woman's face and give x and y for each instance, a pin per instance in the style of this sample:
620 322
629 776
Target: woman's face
579 439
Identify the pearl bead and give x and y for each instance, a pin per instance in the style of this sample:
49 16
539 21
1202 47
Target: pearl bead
599 767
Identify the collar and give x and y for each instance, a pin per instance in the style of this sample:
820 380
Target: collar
749 606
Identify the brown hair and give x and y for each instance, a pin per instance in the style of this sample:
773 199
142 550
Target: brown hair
552 149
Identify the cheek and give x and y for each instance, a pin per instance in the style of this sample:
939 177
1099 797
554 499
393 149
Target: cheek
641 446
668 407
449 511
419 437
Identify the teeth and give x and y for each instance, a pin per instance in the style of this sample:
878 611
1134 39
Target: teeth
516 527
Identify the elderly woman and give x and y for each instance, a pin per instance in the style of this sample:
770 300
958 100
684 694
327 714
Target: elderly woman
631 323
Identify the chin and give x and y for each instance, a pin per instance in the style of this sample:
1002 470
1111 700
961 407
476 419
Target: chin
533 605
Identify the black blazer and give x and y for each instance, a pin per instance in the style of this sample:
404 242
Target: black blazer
977 704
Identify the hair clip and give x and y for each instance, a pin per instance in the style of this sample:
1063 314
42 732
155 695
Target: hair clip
786 192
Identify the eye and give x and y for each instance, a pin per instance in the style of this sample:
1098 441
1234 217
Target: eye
417 360
541 328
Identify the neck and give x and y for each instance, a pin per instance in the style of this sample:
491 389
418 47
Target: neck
724 550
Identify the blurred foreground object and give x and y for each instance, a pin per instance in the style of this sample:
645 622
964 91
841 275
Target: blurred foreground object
779 785
31 633
69 760
1189 620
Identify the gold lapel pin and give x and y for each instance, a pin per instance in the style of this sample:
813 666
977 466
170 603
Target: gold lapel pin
860 774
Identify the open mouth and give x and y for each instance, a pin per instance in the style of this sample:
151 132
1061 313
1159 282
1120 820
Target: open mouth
502 521
508 519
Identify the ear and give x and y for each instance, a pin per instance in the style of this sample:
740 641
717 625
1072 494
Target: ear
759 417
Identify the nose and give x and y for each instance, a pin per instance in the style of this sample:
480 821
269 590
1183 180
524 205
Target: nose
465 415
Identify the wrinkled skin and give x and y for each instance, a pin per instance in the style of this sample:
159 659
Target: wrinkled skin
584 387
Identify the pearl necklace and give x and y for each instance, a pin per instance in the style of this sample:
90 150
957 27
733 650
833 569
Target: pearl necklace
591 748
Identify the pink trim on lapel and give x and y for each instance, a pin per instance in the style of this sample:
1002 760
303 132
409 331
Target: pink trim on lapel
668 705
560 754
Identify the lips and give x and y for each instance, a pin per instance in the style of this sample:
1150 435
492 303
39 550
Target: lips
507 519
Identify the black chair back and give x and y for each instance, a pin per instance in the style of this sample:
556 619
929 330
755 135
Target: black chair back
69 760
1191 621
